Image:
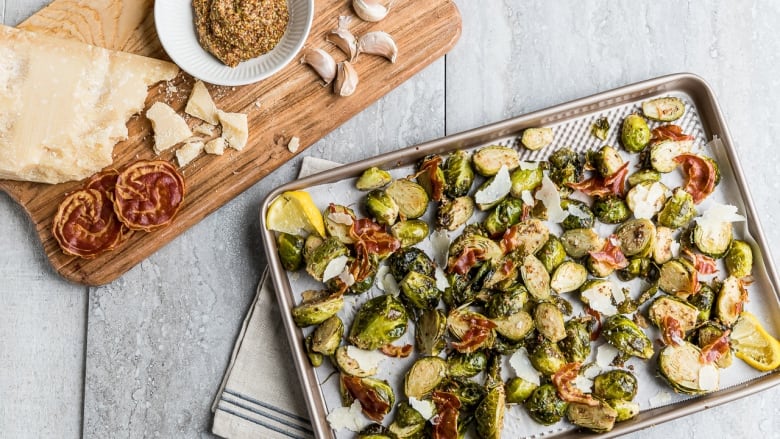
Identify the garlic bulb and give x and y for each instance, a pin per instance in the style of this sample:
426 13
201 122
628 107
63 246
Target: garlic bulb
378 43
371 10
322 63
343 38
346 79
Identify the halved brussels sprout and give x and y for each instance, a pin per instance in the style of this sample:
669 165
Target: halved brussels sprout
315 358
429 332
713 240
566 167
514 327
326 338
424 376
599 419
379 321
677 277
576 345
681 366
547 357
662 250
526 237
599 268
490 413
454 213
606 161
410 232
545 406
708 333
375 431
600 128
635 134
535 277
466 365
703 300
625 409
381 206
625 335
637 237
316 307
489 249
408 423
664 109
611 210
731 299
537 138
351 366
518 390
615 384
582 219
646 198
569 276
580 242
643 175
488 160
410 259
507 302
458 174
552 253
506 214
376 396
420 290
525 180
310 244
321 256
637 267
338 222
663 153
548 320
373 178
411 198
739 260
290 249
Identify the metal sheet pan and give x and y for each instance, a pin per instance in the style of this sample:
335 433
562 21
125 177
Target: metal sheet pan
707 122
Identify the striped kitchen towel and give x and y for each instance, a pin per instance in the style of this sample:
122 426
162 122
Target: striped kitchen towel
260 395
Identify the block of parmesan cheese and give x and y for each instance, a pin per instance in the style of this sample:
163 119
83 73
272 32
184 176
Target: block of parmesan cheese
201 105
215 146
235 129
65 104
169 128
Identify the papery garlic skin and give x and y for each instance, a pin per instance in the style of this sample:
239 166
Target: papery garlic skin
370 10
378 43
322 63
343 38
346 79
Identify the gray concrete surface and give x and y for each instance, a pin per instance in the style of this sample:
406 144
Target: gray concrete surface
157 340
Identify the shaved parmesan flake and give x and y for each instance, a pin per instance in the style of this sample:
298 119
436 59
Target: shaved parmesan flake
497 189
717 214
708 378
527 198
548 194
426 408
334 268
527 166
660 398
600 300
675 249
605 354
348 418
577 211
366 360
341 218
380 274
647 201
591 370
441 279
347 277
619 295
390 286
523 368
584 384
440 242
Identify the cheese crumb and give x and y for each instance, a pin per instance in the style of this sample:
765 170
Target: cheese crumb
708 378
169 128
523 367
235 129
201 105
294 144
583 383
348 418
188 152
600 299
216 146
660 398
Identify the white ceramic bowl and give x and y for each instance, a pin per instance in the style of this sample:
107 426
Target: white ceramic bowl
176 30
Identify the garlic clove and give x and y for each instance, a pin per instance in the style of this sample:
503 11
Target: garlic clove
370 10
378 43
322 63
346 79
343 38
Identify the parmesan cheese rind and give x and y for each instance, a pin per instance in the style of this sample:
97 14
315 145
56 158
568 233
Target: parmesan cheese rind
235 129
65 104
201 105
169 128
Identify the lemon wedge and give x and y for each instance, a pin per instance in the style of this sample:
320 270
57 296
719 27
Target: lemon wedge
294 212
753 344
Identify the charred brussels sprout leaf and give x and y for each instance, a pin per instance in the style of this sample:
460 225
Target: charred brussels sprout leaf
420 290
678 211
379 321
600 128
411 198
739 260
490 413
625 335
616 384
373 178
382 207
326 338
664 109
488 160
454 213
552 254
316 307
599 419
635 134
525 180
545 406
290 251
576 345
506 214
466 365
565 167
583 217
518 390
429 332
410 232
424 376
611 210
458 174
410 259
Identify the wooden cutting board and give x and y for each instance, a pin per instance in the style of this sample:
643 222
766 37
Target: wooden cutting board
291 103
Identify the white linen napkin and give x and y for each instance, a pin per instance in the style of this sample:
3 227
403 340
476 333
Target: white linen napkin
260 395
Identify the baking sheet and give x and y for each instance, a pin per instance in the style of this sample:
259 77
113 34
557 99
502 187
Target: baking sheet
573 130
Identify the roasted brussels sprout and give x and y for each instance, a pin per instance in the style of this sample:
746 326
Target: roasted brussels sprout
379 321
489 414
600 128
535 277
635 134
569 276
625 335
526 237
454 213
566 167
507 302
506 214
611 210
409 259
606 161
429 332
411 198
664 109
425 375
376 396
646 198
663 153
310 244
326 338
548 320
739 260
375 431
681 366
662 249
489 249
410 232
351 366
518 390
625 409
373 178
537 138
615 384
731 299
338 222
408 423
468 393
677 277
580 242
316 307
466 365
514 327
599 268
552 254
547 357
290 251
703 300
420 290
643 175
637 267
382 207
545 406
713 240
488 160
576 345
463 324
315 358
709 333
525 180
637 237
580 216
321 256
597 418
458 174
